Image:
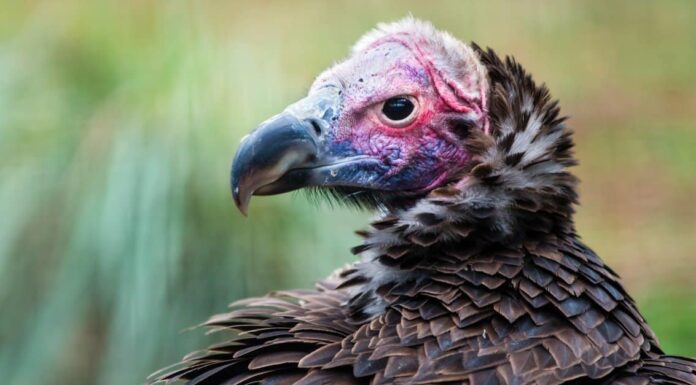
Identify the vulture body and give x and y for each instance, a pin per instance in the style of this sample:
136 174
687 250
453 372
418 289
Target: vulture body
473 272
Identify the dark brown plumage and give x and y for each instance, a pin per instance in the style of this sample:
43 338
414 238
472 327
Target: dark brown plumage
481 281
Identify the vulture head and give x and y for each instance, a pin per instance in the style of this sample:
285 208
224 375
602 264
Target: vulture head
388 123
411 118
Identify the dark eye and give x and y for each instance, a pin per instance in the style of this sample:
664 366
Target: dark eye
399 111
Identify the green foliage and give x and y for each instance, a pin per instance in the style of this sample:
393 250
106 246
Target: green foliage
118 122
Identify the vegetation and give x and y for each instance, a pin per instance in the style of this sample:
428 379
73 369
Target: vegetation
118 121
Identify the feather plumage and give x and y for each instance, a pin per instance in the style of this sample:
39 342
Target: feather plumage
483 281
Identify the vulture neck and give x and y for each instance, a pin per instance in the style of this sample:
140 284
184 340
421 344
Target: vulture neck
517 195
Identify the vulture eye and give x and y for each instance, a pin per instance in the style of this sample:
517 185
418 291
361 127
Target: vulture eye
399 111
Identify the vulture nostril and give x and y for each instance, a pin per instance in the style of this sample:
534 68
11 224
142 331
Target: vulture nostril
316 126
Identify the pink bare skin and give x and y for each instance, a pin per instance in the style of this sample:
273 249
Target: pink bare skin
341 136
420 155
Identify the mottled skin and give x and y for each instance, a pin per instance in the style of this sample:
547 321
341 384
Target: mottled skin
417 157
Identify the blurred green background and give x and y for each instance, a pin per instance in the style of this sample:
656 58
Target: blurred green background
118 121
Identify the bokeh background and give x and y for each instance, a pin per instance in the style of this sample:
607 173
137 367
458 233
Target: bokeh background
118 120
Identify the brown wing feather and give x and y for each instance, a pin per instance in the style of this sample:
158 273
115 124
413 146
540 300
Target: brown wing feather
659 369
273 335
544 325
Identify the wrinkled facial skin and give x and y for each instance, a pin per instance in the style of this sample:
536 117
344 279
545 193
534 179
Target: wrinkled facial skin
415 158
340 140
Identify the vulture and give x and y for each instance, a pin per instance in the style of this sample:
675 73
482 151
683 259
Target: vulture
471 273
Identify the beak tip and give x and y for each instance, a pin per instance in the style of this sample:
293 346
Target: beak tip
241 201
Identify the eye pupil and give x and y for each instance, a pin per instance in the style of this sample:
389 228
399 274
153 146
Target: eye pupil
398 108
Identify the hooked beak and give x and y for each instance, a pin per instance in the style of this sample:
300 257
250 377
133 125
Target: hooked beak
267 154
290 151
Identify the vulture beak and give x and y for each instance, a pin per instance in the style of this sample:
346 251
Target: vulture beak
291 151
265 156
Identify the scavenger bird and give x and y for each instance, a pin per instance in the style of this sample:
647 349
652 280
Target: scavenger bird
472 273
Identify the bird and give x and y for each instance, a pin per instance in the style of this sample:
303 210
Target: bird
472 271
